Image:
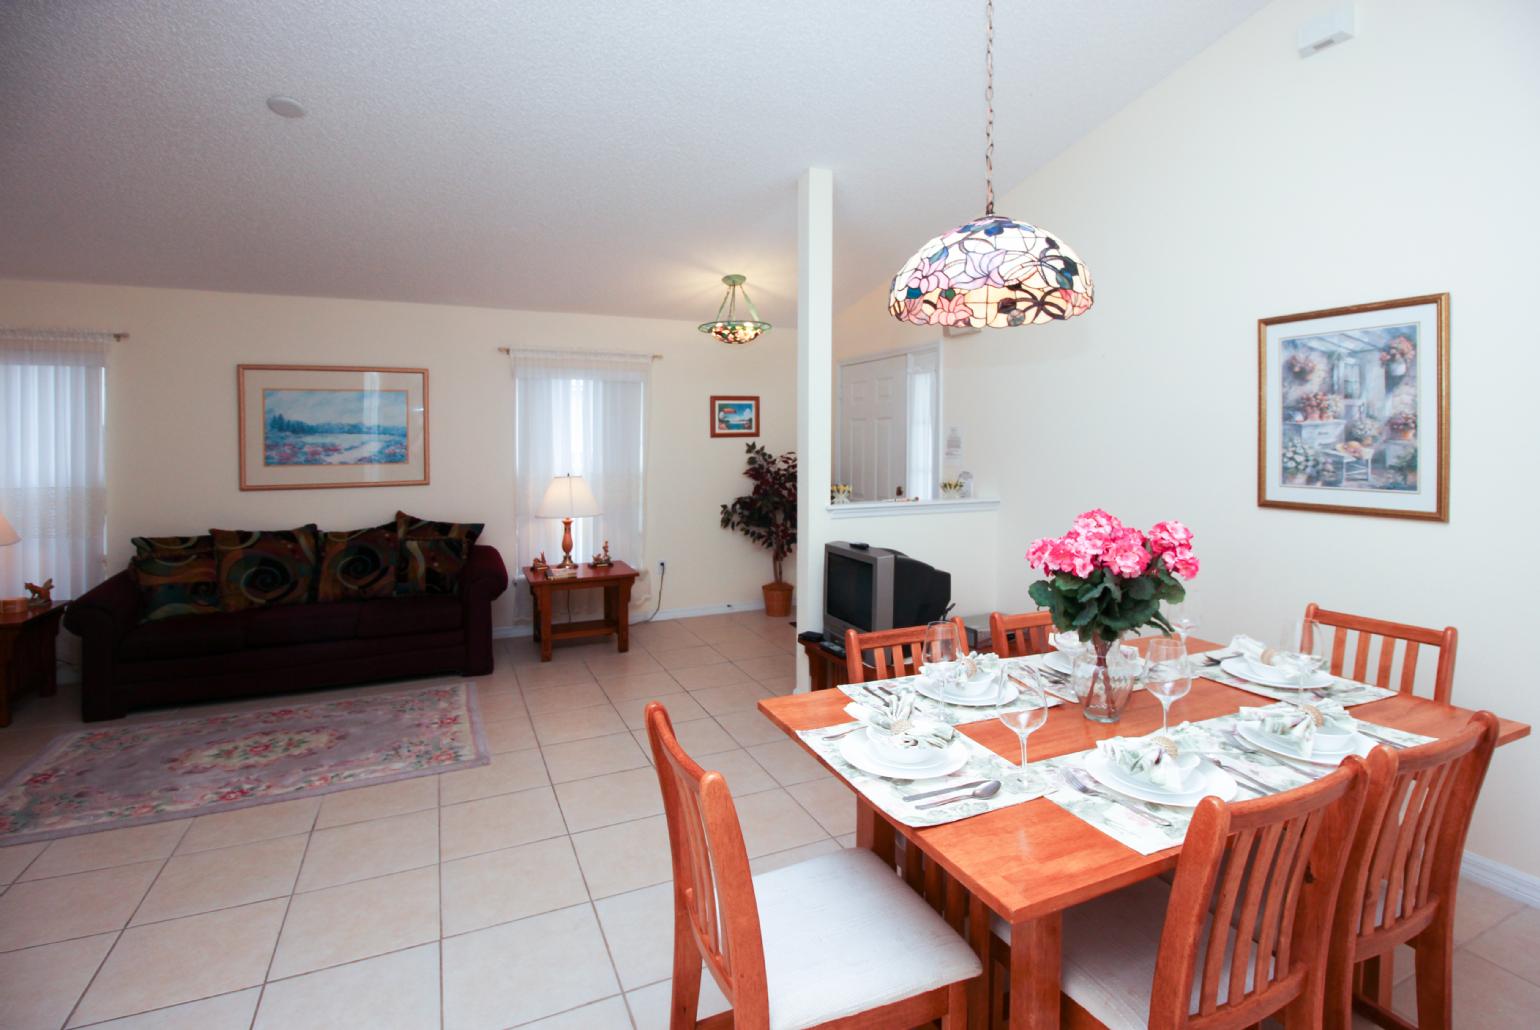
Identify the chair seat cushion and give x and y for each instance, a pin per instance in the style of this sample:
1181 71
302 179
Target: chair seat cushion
843 934
1110 947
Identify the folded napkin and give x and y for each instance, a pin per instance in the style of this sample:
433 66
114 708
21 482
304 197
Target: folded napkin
1153 759
974 664
1252 648
933 734
1299 722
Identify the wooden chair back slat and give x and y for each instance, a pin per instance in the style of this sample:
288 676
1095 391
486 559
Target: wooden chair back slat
895 652
1255 890
1016 636
713 888
1404 865
1365 632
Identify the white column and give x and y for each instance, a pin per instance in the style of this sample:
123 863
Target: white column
815 361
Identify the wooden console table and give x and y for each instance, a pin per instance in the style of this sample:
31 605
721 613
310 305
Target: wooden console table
615 581
27 653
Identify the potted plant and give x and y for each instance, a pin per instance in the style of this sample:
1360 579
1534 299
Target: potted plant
1301 366
1298 462
952 489
1403 425
1104 579
1363 430
768 516
1397 354
1321 407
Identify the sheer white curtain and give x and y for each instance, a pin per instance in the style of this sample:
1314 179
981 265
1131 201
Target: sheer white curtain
584 414
52 464
924 400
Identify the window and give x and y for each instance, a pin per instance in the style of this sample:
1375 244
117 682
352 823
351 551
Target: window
583 414
52 465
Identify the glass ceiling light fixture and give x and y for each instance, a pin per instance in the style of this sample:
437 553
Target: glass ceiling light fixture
733 329
994 271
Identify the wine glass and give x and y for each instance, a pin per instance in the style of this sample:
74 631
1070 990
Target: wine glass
1302 651
1166 675
1183 617
940 651
1022 715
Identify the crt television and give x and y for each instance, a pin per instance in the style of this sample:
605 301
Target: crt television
867 588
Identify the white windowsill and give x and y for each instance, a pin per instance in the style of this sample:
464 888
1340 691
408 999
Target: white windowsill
866 509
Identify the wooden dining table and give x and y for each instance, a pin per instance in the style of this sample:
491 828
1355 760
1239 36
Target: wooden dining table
1029 862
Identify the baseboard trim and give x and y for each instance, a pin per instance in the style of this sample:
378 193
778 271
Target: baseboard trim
1504 879
505 632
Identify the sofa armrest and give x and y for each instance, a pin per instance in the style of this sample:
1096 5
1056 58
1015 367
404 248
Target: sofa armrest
484 576
101 618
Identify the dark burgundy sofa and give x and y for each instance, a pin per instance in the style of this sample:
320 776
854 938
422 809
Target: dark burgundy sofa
128 664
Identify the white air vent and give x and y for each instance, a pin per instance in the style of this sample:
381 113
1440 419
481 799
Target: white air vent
1322 32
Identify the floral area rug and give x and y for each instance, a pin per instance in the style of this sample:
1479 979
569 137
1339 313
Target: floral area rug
137 773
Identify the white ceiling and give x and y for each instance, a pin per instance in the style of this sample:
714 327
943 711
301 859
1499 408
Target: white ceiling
569 155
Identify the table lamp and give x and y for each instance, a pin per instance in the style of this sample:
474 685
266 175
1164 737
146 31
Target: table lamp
567 498
9 536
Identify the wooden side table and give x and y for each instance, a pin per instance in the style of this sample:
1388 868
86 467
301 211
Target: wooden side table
615 581
27 653
825 668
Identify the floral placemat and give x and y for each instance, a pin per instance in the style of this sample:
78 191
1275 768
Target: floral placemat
888 794
953 714
1210 737
1345 692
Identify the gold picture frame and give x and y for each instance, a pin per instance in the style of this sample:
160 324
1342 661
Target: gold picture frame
1350 400
317 427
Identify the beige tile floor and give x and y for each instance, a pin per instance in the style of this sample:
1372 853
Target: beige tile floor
533 892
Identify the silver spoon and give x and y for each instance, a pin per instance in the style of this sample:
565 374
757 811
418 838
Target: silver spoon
982 791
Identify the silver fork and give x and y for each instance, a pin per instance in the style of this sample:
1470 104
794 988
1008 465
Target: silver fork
1076 782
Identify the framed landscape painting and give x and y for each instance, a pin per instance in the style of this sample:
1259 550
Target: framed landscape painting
316 426
1353 409
734 416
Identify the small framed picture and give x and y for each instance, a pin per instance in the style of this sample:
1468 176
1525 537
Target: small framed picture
1353 409
317 426
735 416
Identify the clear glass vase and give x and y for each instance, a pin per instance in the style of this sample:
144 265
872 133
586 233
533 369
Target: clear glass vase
1104 678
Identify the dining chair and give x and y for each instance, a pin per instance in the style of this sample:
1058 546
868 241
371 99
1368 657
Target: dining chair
1388 634
836 941
1015 636
1402 875
895 652
1241 933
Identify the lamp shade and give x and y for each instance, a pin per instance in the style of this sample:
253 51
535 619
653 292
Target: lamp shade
993 272
8 534
568 497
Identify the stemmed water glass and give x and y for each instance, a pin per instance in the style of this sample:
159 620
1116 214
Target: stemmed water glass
1022 715
940 651
1183 618
1166 675
1303 651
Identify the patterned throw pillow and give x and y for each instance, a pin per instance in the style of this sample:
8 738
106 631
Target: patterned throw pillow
264 568
358 563
433 553
176 574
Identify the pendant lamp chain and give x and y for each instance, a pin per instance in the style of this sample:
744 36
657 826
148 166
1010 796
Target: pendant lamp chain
989 107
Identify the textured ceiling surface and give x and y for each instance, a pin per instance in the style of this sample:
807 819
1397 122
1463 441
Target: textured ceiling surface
569 155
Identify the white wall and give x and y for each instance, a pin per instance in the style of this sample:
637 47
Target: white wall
172 425
1253 183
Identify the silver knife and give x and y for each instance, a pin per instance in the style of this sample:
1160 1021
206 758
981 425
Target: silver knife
1246 778
1383 740
1046 690
944 790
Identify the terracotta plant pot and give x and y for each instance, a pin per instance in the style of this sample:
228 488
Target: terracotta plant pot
777 599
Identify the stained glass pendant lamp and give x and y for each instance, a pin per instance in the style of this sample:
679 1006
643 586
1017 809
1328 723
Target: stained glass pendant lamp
993 271
732 329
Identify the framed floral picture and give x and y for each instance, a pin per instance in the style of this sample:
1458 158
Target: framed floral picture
307 427
734 416
1353 409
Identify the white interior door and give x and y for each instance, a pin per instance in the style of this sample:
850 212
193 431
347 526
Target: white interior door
874 443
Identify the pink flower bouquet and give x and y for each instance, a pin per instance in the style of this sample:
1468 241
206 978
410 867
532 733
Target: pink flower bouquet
1104 578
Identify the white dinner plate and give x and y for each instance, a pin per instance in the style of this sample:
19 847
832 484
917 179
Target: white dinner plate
1241 668
1214 781
1003 694
1359 745
855 750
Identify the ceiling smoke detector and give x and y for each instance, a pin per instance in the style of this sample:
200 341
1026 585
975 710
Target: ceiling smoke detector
285 107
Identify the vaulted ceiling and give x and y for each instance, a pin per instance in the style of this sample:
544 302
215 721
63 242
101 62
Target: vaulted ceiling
608 156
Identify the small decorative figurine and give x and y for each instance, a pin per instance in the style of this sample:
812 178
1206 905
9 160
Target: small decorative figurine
602 560
42 596
540 564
